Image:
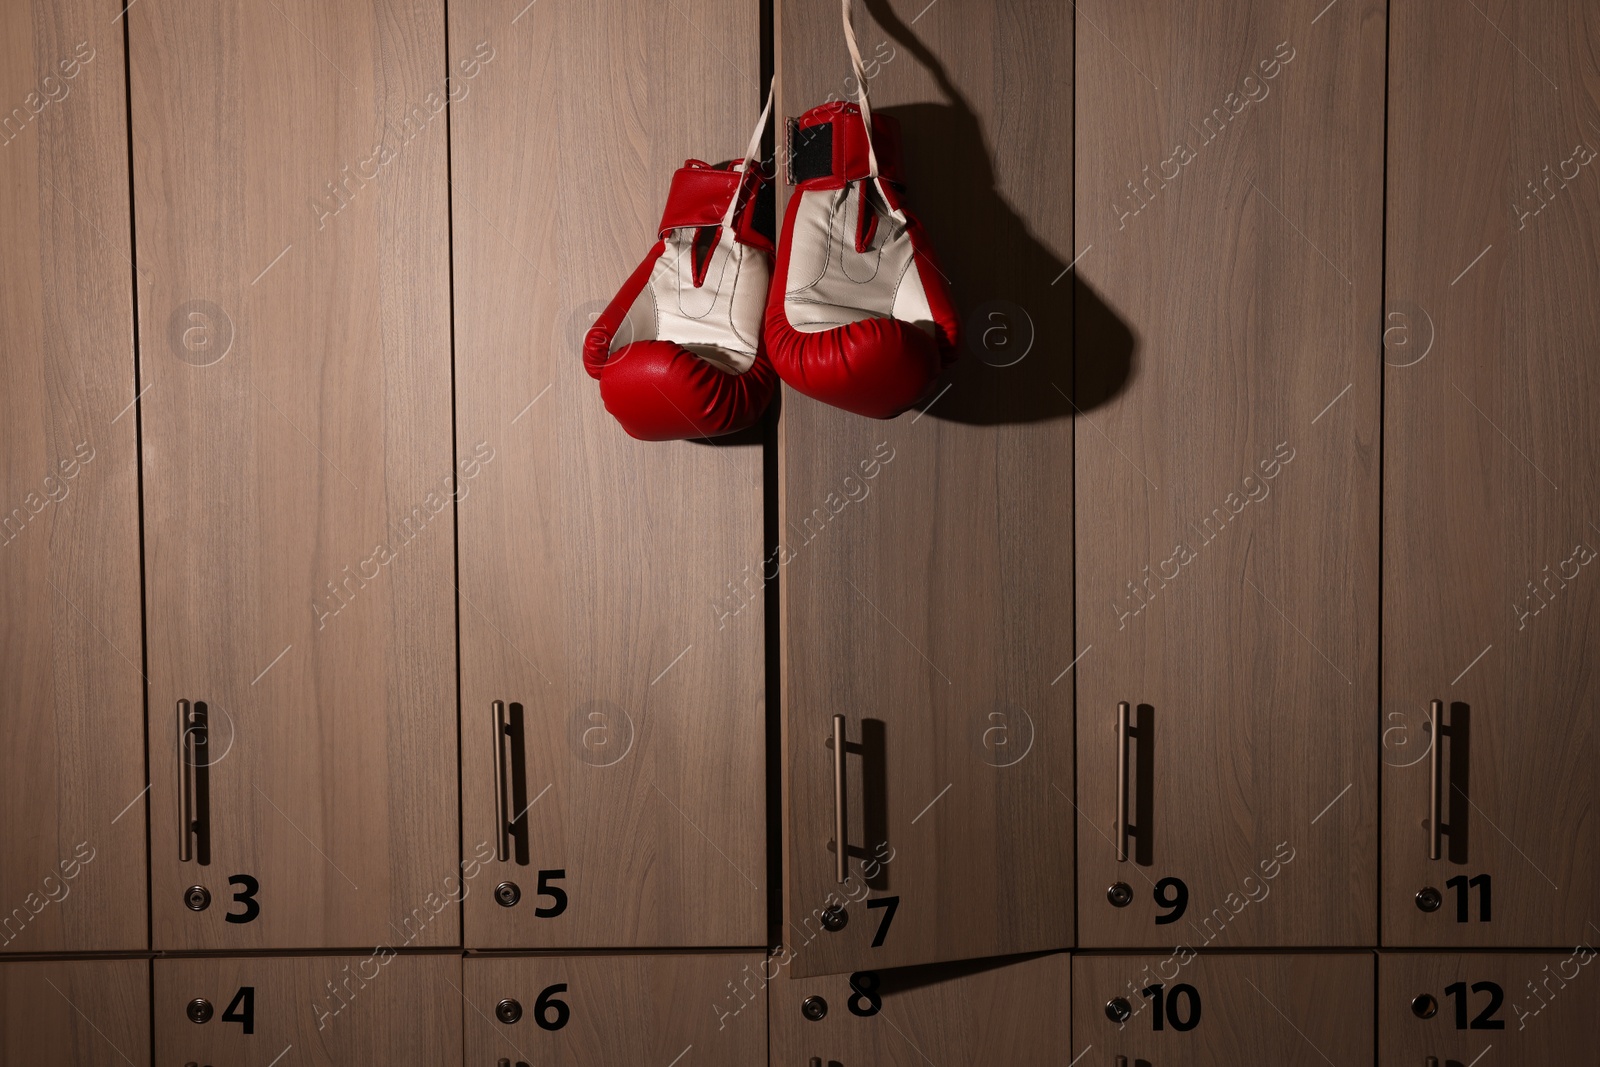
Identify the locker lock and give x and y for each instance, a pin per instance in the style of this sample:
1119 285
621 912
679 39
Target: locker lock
1423 1006
835 918
814 1008
1118 1010
197 898
199 1010
1120 894
1428 899
508 1011
506 894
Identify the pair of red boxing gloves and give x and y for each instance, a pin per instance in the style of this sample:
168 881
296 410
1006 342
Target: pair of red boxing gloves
856 313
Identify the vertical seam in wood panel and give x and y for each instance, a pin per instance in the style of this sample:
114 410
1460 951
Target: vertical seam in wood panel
1377 1000
771 614
455 508
138 467
1383 298
1072 230
150 992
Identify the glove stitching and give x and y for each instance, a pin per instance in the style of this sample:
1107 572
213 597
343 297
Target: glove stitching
733 292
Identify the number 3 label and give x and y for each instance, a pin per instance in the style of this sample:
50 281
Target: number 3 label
248 888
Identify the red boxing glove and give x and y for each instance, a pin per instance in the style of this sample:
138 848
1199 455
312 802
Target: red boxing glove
859 316
677 352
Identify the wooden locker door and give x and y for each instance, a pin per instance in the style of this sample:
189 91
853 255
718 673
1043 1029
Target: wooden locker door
1187 1010
574 1011
381 1007
924 562
593 565
290 193
1455 1009
72 868
1491 472
982 1013
1228 516
75 1013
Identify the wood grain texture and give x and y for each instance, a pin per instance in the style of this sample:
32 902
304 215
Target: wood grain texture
322 1011
926 561
75 1013
1230 160
604 581
986 1013
70 646
656 1009
290 172
1492 437
1286 1008
1549 1008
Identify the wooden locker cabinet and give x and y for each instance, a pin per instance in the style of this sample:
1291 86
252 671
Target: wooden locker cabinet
594 568
1492 434
290 193
72 866
75 1013
381 1007
1185 1009
983 1013
925 561
1460 1008
574 1011
1228 493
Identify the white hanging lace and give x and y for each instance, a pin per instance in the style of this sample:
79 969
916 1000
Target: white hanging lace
866 109
749 160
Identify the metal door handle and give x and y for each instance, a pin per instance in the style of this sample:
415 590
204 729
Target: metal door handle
1434 758
841 865
192 752
185 788
502 801
1122 782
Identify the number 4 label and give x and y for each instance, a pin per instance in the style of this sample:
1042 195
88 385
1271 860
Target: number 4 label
242 1009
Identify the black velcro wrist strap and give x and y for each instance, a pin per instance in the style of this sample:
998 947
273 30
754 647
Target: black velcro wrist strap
810 151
